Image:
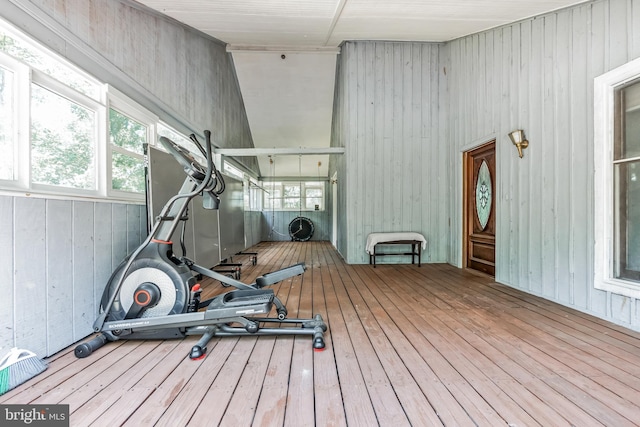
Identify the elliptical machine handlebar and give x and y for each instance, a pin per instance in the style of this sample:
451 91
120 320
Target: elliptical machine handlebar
185 159
220 184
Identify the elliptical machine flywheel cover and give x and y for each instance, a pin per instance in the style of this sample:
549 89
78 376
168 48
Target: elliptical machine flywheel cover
170 283
301 229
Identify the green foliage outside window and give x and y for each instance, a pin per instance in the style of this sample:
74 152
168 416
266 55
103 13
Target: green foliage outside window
126 132
62 141
127 170
128 173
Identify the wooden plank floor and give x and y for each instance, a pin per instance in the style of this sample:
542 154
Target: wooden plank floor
423 346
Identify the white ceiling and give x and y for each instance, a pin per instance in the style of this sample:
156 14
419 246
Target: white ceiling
289 101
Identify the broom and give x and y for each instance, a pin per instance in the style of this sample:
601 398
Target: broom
17 367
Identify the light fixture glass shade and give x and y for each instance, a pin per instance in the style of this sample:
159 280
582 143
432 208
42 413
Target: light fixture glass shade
517 136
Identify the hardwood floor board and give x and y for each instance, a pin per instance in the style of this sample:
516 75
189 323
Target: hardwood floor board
107 378
407 345
472 330
63 390
575 353
546 396
536 365
131 401
110 398
516 320
591 327
443 351
58 371
172 386
215 387
300 397
388 410
403 369
358 406
329 409
242 406
273 396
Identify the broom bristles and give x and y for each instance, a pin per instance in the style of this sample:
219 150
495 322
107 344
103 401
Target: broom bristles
18 367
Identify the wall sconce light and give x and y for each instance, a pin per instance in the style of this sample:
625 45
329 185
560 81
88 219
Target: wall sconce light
519 140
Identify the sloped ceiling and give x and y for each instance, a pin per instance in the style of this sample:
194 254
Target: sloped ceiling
289 101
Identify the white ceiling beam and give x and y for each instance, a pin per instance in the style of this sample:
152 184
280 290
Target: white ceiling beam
247 152
336 17
231 48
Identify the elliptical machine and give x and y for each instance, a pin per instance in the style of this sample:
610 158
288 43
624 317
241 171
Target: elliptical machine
153 294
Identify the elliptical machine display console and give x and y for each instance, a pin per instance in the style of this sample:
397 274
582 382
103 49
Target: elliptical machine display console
153 294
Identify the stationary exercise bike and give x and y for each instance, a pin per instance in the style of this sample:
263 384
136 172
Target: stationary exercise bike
153 294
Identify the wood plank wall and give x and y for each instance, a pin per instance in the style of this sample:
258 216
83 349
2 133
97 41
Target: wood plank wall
537 75
275 225
389 114
252 228
55 258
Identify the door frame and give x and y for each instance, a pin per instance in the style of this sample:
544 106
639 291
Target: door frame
466 159
334 207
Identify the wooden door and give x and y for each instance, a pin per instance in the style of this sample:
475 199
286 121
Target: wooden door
480 208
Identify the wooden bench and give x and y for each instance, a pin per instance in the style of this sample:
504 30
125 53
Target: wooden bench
415 240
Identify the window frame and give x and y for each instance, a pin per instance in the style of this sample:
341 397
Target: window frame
605 87
21 116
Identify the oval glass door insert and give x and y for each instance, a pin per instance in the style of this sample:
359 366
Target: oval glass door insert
483 194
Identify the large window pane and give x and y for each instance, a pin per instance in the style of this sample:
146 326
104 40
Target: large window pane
291 196
7 125
628 127
128 173
125 132
24 51
62 141
627 179
313 197
274 197
127 166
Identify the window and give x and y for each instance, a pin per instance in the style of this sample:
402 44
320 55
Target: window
127 138
314 196
23 49
617 180
255 196
293 196
52 120
63 141
7 123
273 199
